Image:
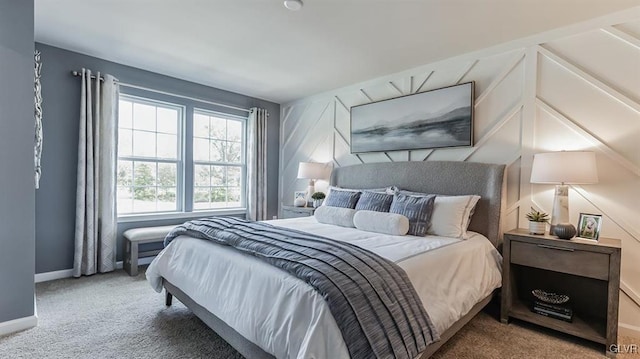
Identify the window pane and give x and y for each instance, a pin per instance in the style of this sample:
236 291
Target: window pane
218 197
200 125
200 149
167 199
234 197
217 151
234 130
125 173
144 199
144 144
125 142
144 174
125 200
167 174
201 175
217 176
125 111
234 152
144 117
167 146
234 176
218 128
167 120
201 198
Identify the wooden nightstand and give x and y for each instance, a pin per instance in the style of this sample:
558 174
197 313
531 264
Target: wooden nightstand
587 271
295 212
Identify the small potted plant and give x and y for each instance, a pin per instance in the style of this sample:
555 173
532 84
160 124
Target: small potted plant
317 198
537 221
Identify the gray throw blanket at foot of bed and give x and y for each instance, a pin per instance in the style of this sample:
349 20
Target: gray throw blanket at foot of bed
371 298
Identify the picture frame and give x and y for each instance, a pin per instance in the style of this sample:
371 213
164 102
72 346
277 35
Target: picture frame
589 226
431 119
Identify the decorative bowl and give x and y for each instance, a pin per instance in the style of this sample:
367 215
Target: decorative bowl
564 230
547 297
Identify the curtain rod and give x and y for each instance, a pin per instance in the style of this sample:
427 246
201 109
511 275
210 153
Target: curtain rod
79 73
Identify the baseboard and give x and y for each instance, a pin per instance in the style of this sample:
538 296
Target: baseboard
59 274
629 330
18 325
68 273
141 262
35 307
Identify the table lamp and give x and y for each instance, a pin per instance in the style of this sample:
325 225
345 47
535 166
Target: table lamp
311 171
562 168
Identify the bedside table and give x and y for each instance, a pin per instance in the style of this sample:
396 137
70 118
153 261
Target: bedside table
587 271
295 212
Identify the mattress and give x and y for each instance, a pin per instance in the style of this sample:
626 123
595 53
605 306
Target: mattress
287 318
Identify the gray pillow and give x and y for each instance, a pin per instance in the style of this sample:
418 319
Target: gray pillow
335 215
340 198
374 201
417 209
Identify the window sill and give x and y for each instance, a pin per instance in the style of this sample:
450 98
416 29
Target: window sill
179 215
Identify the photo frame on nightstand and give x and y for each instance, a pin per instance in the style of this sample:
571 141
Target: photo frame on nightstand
589 226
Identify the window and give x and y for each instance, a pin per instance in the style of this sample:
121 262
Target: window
175 159
149 156
219 165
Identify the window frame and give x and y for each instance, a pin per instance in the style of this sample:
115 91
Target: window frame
242 164
185 205
180 158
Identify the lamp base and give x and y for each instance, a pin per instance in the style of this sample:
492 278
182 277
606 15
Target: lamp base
310 191
560 213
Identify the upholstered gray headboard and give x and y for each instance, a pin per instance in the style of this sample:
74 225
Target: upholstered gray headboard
438 177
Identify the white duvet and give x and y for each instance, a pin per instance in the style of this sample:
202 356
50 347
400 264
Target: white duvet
287 318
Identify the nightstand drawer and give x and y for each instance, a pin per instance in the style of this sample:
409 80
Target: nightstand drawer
295 212
561 259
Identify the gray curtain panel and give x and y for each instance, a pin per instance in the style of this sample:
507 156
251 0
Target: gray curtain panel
257 164
95 233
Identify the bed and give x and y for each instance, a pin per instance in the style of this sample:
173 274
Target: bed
264 312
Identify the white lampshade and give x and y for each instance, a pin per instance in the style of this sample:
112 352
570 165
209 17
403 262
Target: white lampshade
575 167
311 170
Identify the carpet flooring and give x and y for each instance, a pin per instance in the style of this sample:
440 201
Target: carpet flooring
117 316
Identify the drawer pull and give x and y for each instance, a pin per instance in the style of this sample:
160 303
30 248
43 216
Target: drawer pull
554 247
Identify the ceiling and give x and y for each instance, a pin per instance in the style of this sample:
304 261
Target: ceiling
261 49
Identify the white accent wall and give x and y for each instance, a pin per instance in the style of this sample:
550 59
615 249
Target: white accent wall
576 88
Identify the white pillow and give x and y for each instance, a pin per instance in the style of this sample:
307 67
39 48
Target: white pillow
381 222
452 215
338 216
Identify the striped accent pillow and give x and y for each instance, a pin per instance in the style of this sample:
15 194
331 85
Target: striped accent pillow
340 198
417 209
374 201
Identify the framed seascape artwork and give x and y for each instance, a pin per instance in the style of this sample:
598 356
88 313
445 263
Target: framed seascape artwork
432 119
589 226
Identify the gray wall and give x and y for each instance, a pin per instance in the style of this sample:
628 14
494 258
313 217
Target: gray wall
17 193
55 200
